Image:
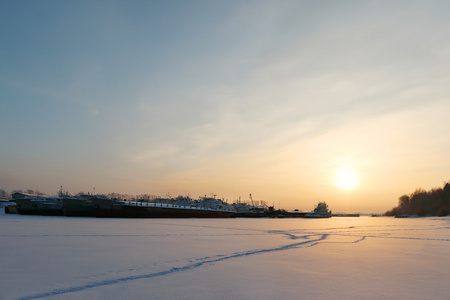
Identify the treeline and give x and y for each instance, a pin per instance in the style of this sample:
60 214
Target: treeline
3 194
435 202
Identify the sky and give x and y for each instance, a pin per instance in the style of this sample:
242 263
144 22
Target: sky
231 98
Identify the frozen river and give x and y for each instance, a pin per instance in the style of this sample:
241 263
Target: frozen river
347 258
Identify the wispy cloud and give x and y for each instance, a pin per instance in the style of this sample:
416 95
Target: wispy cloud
270 96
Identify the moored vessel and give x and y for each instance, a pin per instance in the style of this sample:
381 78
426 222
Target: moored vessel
46 206
181 207
245 210
78 206
321 211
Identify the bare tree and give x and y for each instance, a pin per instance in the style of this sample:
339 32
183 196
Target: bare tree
3 193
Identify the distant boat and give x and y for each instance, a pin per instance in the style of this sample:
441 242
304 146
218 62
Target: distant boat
321 211
405 216
9 206
46 206
78 206
345 215
245 210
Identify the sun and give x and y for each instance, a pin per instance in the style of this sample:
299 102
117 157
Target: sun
346 179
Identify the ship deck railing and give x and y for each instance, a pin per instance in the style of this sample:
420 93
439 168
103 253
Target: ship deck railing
155 204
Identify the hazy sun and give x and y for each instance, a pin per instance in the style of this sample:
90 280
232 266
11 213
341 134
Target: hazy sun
346 179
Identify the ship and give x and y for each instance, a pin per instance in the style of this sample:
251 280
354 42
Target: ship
46 206
345 215
9 206
245 210
250 210
79 206
181 207
321 211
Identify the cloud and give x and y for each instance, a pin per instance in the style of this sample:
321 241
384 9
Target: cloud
271 95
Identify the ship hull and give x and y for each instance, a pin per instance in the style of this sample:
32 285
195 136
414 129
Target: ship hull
41 212
249 215
174 212
112 209
78 208
316 216
39 207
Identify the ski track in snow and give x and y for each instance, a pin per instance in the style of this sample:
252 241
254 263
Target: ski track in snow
308 237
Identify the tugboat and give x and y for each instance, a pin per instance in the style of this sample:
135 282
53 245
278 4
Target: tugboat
321 211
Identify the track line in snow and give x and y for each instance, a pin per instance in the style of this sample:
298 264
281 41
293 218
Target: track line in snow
126 235
205 261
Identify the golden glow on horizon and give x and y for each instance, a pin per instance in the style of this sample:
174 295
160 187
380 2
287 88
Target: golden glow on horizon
346 179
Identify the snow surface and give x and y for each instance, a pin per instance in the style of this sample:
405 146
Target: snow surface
346 258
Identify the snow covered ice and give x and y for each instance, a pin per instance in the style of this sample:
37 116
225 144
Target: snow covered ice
346 258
